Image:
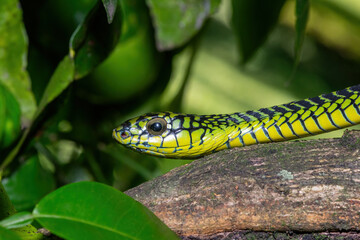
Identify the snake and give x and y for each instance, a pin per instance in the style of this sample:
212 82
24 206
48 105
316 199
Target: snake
179 135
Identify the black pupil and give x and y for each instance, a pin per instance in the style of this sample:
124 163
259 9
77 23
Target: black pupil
156 127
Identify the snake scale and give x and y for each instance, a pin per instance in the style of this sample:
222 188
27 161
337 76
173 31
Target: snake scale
176 135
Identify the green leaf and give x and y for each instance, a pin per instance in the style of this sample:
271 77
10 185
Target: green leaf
94 39
176 22
17 220
90 210
7 208
9 117
302 15
6 234
110 8
28 184
60 80
252 21
13 56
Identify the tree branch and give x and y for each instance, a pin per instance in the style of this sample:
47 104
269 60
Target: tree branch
309 186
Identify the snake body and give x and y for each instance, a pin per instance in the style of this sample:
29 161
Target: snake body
175 135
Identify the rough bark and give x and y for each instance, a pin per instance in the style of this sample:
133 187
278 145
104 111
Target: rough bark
306 186
250 235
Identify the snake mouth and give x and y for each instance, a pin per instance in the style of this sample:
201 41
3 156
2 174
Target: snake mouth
166 152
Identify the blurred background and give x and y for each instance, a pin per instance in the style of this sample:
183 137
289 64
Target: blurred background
207 72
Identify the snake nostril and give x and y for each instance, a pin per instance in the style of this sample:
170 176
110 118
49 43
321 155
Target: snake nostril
124 134
120 134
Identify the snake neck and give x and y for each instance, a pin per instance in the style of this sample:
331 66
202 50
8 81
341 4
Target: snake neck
297 119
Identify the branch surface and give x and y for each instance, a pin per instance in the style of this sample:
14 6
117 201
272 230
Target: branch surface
307 186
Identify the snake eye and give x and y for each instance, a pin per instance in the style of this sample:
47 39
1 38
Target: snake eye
156 126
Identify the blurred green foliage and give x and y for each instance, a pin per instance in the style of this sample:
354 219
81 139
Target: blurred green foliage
250 31
9 117
7 234
25 194
133 57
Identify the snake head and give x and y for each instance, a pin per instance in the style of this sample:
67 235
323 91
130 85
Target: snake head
170 135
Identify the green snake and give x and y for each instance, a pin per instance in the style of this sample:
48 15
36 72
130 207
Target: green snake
176 135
